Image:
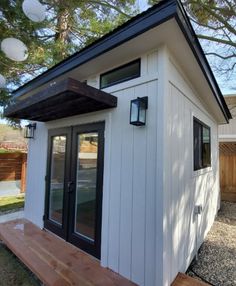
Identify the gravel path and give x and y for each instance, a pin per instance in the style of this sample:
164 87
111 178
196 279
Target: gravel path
217 256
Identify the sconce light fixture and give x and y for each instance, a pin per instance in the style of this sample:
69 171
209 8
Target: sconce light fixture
29 130
138 109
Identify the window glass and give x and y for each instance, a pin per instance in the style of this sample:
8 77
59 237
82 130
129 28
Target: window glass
120 74
197 145
206 150
201 145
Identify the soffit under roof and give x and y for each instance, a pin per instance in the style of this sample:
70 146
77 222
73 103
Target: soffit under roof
61 99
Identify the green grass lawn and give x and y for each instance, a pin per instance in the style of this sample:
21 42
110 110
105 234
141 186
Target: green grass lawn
11 203
4 151
13 272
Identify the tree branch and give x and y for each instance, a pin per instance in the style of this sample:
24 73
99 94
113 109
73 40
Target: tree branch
220 56
108 5
216 40
219 18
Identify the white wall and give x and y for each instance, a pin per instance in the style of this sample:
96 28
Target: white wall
149 231
131 228
36 171
183 187
129 191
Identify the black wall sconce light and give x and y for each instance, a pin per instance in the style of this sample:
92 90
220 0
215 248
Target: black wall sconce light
138 108
29 130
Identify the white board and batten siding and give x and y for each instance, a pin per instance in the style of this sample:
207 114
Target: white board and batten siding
128 220
35 180
131 235
149 231
183 230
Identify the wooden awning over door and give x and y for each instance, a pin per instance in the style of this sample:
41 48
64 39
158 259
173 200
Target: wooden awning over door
60 99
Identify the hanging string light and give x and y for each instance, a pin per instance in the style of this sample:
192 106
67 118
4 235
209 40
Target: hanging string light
34 10
14 49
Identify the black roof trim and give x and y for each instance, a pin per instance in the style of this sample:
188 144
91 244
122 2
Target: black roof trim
132 28
137 25
188 31
64 98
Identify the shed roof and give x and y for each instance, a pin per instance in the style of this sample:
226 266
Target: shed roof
154 16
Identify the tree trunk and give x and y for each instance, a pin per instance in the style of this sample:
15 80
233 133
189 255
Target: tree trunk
62 32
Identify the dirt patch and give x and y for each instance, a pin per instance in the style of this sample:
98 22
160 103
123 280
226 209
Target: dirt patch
217 256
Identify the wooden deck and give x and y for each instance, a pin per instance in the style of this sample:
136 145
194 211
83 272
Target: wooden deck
185 280
54 261
58 263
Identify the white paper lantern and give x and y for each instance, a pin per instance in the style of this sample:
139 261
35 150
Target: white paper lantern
14 49
2 81
34 10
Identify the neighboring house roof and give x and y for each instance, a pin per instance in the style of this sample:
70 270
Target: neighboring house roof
154 16
227 133
231 103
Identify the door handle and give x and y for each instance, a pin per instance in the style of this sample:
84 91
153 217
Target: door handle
70 186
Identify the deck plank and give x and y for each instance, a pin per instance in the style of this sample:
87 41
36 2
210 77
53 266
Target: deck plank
185 280
54 261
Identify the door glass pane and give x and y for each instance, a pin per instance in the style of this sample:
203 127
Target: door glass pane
57 178
86 177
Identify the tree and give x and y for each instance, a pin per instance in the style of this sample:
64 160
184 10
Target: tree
70 25
215 24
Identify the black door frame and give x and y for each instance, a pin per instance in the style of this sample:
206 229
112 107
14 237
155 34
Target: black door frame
49 224
66 231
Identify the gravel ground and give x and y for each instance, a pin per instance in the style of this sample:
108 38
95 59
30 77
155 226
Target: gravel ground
217 255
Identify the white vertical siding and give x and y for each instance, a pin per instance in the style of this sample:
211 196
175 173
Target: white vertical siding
149 231
186 188
129 190
132 189
151 190
36 171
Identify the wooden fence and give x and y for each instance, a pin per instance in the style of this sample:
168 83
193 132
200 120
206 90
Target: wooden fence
13 167
228 177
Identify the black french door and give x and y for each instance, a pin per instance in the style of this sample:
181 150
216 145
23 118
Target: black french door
74 181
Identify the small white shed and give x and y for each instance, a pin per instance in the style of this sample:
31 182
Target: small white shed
127 194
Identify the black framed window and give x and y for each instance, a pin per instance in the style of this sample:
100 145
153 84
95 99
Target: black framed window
201 144
120 74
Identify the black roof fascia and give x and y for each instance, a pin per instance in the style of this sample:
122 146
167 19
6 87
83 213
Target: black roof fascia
137 25
190 35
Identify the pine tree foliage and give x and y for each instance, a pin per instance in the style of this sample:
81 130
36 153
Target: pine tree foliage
215 24
69 26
